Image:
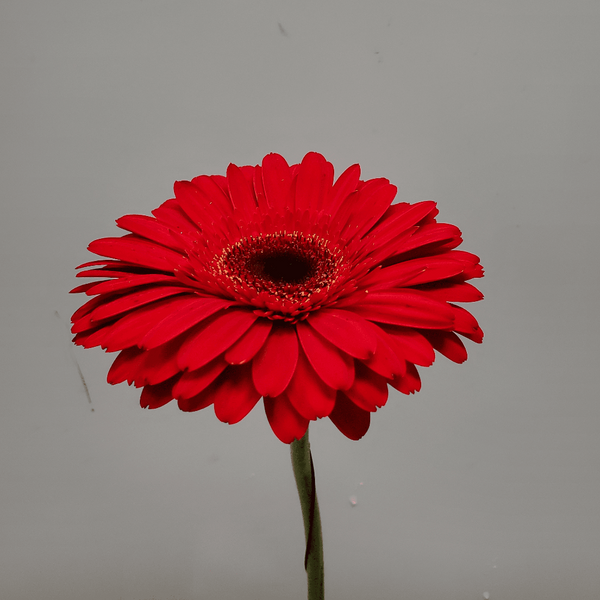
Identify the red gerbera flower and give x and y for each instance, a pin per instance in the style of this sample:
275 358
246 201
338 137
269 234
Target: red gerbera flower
276 282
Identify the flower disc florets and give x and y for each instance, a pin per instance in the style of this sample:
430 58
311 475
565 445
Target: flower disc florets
278 282
284 273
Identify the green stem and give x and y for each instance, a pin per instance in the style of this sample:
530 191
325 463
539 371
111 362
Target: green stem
304 474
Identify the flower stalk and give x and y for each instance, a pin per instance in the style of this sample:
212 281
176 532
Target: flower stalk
304 474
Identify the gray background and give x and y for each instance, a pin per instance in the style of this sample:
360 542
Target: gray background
485 482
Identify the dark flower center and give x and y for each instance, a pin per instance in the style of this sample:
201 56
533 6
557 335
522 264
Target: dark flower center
289 267
283 267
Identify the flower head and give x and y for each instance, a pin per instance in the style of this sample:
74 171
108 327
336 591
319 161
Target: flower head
276 282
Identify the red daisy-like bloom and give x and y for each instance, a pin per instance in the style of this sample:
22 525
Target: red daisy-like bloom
276 282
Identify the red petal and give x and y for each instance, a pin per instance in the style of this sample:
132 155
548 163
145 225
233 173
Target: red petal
199 208
125 366
171 214
466 324
373 199
138 252
470 262
105 263
193 382
345 185
398 219
307 392
178 322
385 361
85 310
350 216
151 229
221 181
452 292
235 396
240 190
412 272
259 191
250 343
352 421
411 345
277 180
155 396
213 336
407 308
131 328
404 215
386 253
315 176
369 391
127 282
333 366
274 365
202 400
378 201
123 270
84 288
126 303
287 424
434 233
158 365
144 368
344 329
248 172
91 338
213 195
435 268
448 344
409 383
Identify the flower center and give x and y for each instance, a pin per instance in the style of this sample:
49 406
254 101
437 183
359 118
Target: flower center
280 271
283 267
